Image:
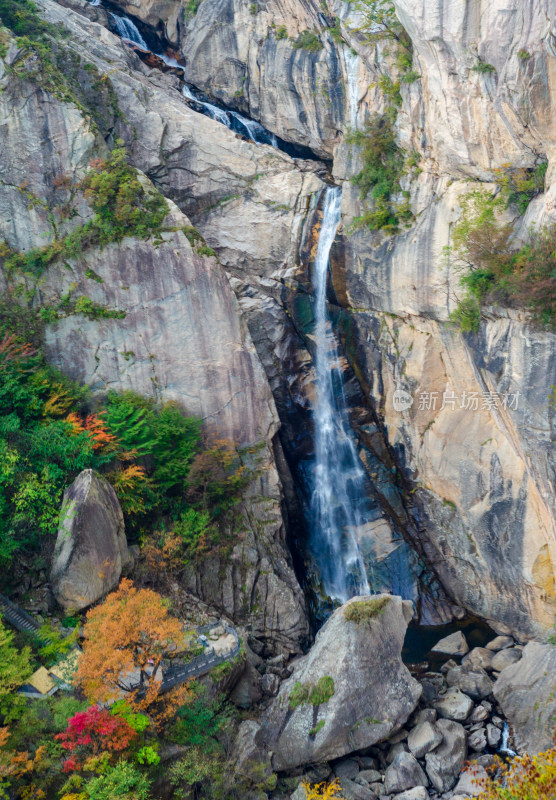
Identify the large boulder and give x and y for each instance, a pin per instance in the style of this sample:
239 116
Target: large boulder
355 670
404 773
91 548
525 692
446 762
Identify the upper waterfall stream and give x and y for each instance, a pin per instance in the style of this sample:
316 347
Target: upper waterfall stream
249 128
339 477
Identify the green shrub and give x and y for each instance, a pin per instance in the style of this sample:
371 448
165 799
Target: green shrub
308 40
523 55
365 610
122 207
22 18
493 270
379 179
483 68
312 695
380 22
336 32
299 695
122 781
323 691
319 726
519 185
191 8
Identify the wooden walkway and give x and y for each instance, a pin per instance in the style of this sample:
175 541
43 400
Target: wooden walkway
171 677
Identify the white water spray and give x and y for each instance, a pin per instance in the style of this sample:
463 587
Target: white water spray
128 30
339 478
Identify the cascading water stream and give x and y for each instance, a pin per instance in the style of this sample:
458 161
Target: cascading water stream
128 30
252 130
339 477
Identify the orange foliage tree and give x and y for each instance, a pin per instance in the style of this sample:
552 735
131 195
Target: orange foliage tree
127 639
15 766
524 778
323 791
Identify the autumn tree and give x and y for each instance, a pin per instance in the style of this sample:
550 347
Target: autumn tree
15 668
323 791
524 778
127 639
93 732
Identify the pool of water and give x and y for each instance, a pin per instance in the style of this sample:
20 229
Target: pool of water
419 639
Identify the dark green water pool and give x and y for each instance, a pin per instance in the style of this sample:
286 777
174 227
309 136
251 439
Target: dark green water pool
419 639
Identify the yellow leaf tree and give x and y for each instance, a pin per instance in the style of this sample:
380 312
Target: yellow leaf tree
126 640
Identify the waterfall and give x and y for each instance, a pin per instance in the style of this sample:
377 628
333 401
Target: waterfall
339 477
505 748
252 130
128 30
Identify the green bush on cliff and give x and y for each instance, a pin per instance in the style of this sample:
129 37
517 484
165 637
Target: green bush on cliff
379 179
494 271
122 207
23 19
308 40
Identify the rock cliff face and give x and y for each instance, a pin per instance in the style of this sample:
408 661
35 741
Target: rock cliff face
482 477
476 484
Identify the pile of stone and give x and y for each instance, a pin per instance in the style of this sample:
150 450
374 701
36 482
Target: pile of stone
444 749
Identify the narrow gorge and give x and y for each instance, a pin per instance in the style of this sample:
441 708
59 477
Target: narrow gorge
277 346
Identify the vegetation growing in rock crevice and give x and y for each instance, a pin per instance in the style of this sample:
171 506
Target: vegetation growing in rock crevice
321 692
45 59
122 206
384 161
495 270
308 40
379 179
365 610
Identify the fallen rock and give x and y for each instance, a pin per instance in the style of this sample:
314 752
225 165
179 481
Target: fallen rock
525 692
366 762
500 643
453 645
494 735
478 657
369 691
246 691
404 773
347 768
395 750
425 715
475 683
355 791
270 684
423 739
469 784
91 548
454 705
250 760
478 740
446 762
479 714
505 658
417 793
369 776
